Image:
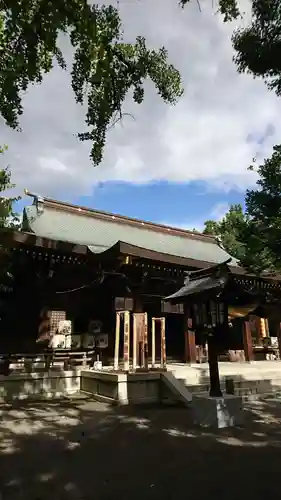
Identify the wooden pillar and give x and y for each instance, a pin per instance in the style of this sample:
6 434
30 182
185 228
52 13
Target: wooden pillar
263 328
189 338
117 342
279 340
140 354
153 343
145 342
255 323
163 343
247 342
126 346
135 342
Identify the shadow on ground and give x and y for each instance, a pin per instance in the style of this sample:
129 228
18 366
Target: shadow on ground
82 449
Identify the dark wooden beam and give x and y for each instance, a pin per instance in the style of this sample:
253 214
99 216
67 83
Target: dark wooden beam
16 239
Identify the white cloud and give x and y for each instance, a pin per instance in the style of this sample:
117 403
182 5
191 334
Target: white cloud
205 137
219 210
216 213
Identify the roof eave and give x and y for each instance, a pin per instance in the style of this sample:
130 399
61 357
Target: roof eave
135 251
16 238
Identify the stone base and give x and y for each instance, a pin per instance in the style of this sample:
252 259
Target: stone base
122 388
226 411
42 385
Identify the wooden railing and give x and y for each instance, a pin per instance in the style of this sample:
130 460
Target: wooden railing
30 362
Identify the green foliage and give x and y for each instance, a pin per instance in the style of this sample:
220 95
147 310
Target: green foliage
228 8
254 237
228 230
104 67
8 218
258 46
263 206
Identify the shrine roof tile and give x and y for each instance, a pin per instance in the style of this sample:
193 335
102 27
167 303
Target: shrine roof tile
101 231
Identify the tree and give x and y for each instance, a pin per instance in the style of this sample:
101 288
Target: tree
257 47
254 236
8 218
263 208
104 68
228 8
229 231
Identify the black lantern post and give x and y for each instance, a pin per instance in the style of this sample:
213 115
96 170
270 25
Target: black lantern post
203 293
210 315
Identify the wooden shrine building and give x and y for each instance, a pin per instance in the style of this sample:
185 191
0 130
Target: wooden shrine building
91 264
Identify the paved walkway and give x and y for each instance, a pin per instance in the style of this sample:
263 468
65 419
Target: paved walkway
86 450
199 373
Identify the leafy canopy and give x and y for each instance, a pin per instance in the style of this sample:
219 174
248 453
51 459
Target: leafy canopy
254 236
104 68
8 218
263 206
228 8
228 231
257 47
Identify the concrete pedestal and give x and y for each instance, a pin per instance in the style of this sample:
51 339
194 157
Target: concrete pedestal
221 412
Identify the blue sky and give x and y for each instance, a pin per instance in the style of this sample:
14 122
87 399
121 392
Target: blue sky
178 165
176 204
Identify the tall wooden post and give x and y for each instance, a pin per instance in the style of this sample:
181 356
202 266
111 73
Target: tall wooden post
139 354
248 342
145 342
189 338
153 344
279 340
135 342
140 340
126 346
161 321
117 342
163 343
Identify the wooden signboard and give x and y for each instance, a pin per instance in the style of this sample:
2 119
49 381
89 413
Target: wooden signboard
140 341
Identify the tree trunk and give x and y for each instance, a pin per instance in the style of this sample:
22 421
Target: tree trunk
215 389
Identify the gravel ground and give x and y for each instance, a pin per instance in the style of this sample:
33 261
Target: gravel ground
82 449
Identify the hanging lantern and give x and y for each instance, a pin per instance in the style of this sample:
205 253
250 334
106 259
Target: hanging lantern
213 313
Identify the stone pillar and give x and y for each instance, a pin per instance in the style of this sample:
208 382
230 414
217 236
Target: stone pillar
189 338
247 342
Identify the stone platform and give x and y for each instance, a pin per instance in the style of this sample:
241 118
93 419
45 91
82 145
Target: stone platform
102 385
257 377
249 380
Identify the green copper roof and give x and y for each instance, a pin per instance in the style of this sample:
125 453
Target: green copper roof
99 234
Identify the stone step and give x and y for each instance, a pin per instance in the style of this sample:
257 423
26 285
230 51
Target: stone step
176 387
